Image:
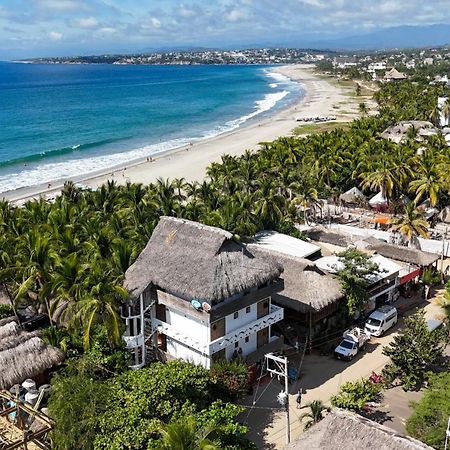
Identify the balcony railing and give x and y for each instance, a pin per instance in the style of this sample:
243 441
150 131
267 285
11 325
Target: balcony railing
175 334
275 315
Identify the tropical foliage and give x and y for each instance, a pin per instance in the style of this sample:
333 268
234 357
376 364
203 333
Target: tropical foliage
315 413
414 352
354 395
355 271
429 419
143 409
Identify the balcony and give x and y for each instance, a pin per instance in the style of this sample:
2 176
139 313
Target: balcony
275 315
175 334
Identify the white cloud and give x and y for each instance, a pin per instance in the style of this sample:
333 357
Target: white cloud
61 5
237 15
55 35
187 12
107 30
156 23
86 22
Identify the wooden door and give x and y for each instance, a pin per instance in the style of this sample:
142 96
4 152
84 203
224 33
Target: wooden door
262 337
263 308
217 329
161 312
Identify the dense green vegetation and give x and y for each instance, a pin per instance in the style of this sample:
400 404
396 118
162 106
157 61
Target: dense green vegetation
134 409
428 422
415 352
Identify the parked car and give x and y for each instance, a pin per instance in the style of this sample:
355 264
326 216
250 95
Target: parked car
353 340
381 320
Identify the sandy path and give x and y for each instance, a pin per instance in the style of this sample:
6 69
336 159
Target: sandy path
322 98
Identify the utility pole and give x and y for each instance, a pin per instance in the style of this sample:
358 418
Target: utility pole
280 369
447 434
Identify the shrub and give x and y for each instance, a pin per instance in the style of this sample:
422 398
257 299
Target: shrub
6 311
355 394
230 379
428 422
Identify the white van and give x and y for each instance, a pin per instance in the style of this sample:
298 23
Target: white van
381 320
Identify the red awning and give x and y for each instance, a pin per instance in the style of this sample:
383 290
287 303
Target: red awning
415 273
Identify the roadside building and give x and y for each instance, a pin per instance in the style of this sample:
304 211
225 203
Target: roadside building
197 294
383 286
342 430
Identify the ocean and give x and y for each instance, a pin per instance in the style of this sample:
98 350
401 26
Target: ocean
65 121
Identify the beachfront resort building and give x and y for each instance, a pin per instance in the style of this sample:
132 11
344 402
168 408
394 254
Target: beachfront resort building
197 294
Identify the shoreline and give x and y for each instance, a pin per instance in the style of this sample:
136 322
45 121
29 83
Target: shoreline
320 98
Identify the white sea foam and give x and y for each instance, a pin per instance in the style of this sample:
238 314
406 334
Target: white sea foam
273 85
279 77
79 167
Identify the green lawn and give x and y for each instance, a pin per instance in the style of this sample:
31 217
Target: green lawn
310 128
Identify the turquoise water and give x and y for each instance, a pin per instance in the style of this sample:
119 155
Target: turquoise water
64 121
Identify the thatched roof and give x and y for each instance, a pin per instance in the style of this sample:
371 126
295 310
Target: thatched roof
404 254
394 74
195 261
329 237
23 355
343 430
306 288
353 195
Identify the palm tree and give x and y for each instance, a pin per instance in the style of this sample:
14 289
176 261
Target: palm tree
381 176
412 224
99 305
184 434
435 115
315 414
428 179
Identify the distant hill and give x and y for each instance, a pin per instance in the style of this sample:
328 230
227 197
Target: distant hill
389 38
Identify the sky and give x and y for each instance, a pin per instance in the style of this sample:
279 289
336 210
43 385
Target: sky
30 28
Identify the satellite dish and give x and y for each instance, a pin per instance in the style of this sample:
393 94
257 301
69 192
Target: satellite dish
196 304
206 307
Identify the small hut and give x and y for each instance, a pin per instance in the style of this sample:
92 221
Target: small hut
343 430
394 75
24 355
378 201
353 196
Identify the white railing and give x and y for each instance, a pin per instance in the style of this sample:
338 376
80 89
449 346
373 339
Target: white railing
133 341
275 315
175 334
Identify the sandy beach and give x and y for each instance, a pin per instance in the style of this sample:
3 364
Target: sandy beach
321 98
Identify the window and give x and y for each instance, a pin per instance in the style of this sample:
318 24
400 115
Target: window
247 339
236 344
248 309
236 315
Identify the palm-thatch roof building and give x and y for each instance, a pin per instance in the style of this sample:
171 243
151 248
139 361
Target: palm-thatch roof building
353 196
343 430
24 355
416 129
394 75
203 294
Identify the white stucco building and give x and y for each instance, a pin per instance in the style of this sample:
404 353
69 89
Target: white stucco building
198 295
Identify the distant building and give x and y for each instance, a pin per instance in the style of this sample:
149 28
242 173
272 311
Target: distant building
394 75
344 62
428 61
197 294
416 129
376 66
